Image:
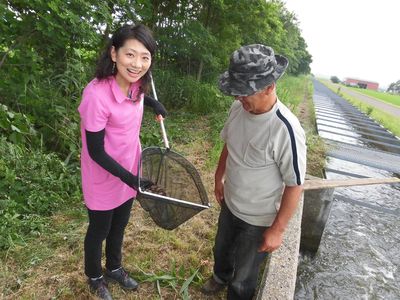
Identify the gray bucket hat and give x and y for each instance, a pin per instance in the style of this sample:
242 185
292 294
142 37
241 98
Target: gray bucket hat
252 68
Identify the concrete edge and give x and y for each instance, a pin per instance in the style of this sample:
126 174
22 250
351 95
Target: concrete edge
279 278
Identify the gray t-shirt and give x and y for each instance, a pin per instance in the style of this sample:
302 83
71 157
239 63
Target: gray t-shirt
266 152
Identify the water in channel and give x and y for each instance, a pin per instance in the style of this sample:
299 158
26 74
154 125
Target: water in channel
359 253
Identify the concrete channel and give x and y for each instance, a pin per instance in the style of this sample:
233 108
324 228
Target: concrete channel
356 138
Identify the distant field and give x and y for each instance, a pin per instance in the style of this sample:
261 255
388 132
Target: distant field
392 99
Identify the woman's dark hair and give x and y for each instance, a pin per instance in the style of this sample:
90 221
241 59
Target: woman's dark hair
138 32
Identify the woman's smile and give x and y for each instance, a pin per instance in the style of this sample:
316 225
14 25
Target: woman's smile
132 61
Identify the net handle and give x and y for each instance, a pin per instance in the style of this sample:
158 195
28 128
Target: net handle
164 133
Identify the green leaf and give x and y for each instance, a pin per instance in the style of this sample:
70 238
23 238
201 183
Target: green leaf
188 281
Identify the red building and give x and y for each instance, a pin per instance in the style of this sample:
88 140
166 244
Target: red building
364 84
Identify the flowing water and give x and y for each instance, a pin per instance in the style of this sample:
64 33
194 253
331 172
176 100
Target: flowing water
359 253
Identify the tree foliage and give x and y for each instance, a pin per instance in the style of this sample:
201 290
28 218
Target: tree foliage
394 87
194 36
335 79
48 49
199 36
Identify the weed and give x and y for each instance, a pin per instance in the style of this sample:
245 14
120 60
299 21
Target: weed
33 185
17 127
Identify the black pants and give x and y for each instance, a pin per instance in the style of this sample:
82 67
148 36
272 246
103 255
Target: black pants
106 225
237 260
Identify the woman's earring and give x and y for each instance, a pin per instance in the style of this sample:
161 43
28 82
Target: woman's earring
113 68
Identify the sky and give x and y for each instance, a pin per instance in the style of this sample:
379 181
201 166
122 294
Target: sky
351 38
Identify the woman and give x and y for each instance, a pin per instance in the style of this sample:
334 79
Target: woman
111 114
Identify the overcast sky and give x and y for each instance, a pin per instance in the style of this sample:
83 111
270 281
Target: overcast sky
351 38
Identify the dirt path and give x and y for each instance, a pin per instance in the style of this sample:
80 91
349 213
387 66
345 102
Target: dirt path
388 108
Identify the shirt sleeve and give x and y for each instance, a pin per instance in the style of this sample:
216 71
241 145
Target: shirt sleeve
290 153
93 111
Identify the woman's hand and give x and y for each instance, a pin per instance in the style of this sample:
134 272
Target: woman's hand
145 183
157 106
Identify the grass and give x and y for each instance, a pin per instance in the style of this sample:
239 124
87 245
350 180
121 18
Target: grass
389 121
382 96
315 145
292 91
168 264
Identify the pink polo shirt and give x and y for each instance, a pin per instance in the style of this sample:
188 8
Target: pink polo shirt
104 106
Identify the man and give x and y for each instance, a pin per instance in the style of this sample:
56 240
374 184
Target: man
258 181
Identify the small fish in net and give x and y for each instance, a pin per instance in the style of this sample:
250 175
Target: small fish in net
177 193
156 189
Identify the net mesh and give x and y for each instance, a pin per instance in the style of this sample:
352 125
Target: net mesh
178 192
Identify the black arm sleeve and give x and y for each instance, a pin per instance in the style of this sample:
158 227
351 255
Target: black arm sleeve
95 145
148 101
157 106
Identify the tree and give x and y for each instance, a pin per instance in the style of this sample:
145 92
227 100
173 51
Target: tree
335 79
394 88
48 49
199 35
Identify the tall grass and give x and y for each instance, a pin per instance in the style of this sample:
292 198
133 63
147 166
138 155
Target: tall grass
291 91
33 186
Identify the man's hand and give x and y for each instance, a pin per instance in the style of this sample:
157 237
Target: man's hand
219 176
272 239
273 236
219 191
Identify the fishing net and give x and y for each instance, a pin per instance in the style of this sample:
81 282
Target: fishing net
178 192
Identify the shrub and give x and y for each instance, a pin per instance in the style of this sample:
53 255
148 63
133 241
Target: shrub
187 93
33 185
17 127
335 79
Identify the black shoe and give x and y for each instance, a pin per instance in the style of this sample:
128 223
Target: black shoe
99 288
122 277
211 287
